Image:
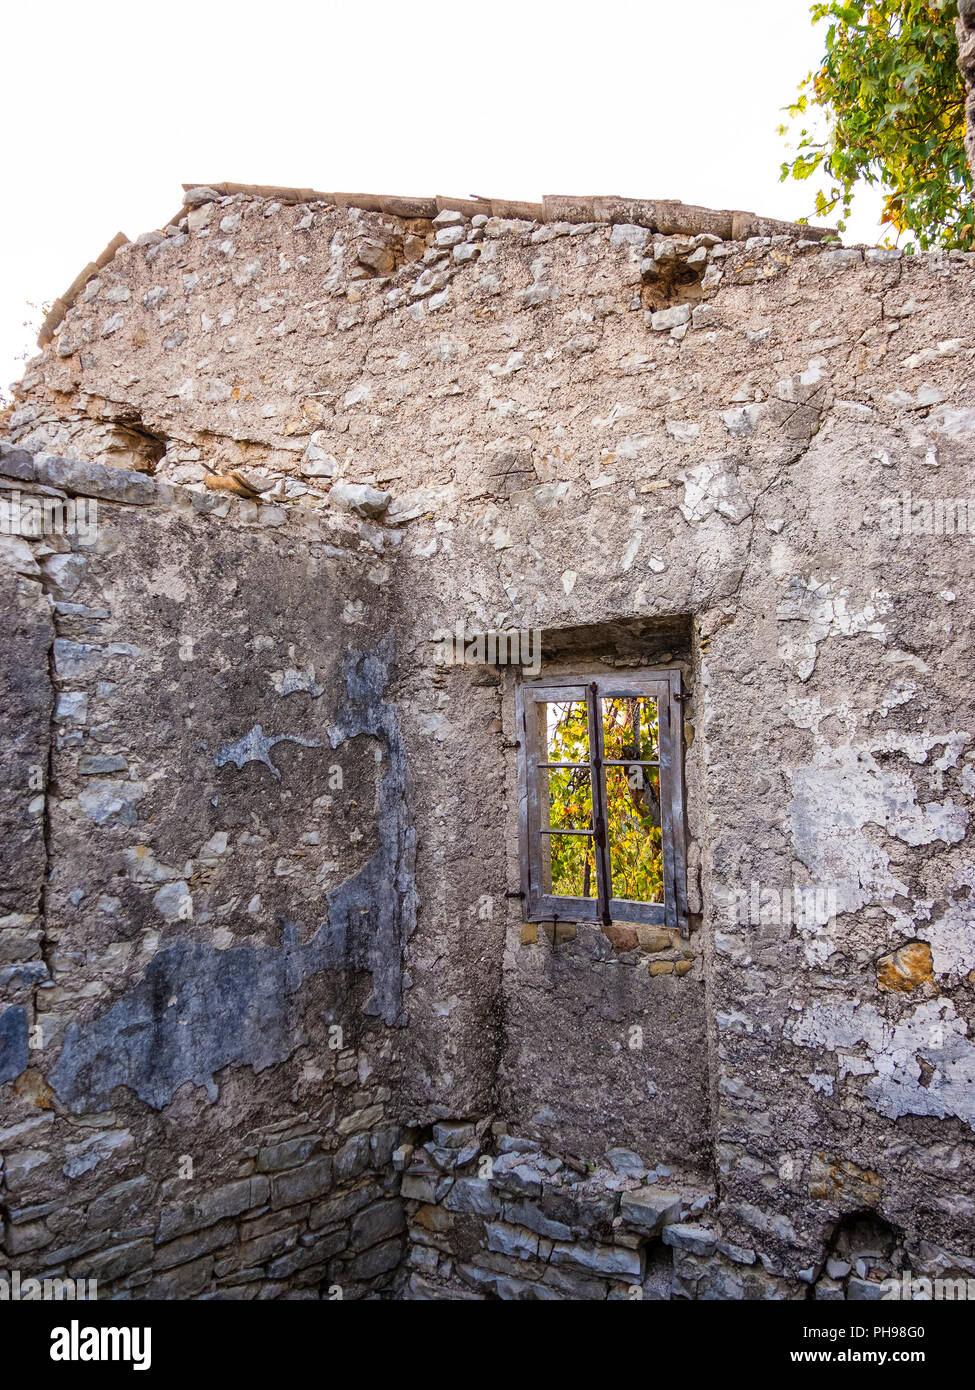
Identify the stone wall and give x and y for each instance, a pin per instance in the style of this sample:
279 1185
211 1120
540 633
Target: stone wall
203 953
738 457
491 1215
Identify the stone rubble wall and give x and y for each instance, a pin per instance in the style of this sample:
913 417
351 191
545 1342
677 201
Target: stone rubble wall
678 449
309 434
660 216
491 1215
201 962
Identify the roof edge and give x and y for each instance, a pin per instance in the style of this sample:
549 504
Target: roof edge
667 216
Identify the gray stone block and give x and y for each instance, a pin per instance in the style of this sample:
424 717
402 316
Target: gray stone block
694 1240
340 1206
379 1260
324 1248
13 1043
109 1265
612 1261
94 480
472 1196
377 1223
352 1158
650 1208
302 1184
865 1290
527 1214
16 463
211 1207
185 1281
511 1240
191 1247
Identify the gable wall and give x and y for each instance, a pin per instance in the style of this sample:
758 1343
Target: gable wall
545 451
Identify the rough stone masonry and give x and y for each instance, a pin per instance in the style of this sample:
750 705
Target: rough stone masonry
273 1024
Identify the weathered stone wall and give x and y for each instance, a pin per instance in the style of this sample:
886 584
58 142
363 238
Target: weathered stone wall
656 450
492 1214
204 989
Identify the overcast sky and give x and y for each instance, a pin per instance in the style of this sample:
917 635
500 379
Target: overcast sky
110 107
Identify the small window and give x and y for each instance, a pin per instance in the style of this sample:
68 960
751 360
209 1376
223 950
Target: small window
601 799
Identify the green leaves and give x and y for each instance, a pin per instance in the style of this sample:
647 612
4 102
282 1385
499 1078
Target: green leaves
890 104
632 802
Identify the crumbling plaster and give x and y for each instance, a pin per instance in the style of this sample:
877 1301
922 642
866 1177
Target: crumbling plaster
505 425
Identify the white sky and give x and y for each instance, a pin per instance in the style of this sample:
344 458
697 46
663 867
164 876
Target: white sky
109 107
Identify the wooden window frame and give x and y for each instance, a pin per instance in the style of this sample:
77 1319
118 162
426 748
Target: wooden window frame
665 687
